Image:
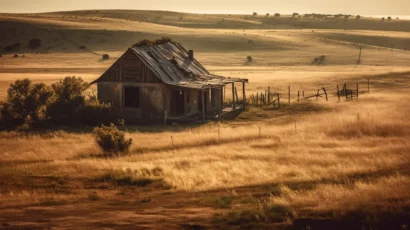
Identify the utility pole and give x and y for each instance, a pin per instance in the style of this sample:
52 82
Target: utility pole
360 55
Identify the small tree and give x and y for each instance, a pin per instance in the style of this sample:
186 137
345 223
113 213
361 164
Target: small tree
277 15
389 18
249 58
295 15
69 96
111 140
255 14
25 101
34 43
383 19
358 17
105 57
267 14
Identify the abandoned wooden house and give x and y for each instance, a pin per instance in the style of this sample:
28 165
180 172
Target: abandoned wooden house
165 82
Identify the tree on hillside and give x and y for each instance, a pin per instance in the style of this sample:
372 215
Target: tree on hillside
389 18
358 17
25 101
34 43
295 14
277 15
267 14
254 14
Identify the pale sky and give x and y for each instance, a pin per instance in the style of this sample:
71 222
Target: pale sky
362 7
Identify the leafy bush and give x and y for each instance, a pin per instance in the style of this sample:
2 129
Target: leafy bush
69 96
105 57
277 15
358 17
95 113
148 43
34 43
15 55
143 43
162 40
249 58
389 18
111 140
267 14
254 14
25 102
13 47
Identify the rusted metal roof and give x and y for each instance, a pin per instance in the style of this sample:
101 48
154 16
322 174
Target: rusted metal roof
171 64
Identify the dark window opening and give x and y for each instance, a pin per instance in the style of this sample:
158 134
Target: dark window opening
131 97
187 96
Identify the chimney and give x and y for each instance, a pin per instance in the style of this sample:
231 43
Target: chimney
191 55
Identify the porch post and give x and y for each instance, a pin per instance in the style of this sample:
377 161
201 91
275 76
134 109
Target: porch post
203 105
233 96
243 95
186 101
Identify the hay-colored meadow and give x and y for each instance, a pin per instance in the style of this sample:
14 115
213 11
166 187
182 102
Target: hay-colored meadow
317 158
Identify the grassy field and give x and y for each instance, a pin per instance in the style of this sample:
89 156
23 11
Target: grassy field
308 165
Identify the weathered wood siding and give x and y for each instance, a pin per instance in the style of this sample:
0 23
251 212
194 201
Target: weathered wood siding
152 100
129 68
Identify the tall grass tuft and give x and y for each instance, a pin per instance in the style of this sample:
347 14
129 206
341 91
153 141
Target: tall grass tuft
111 140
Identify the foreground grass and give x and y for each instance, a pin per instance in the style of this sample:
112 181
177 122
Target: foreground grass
266 167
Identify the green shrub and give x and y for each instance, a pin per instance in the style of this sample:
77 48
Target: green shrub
162 40
111 140
148 43
34 43
95 113
69 96
12 47
143 43
25 102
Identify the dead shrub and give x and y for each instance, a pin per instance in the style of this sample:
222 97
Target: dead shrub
111 140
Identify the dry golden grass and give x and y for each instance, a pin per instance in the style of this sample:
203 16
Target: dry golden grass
314 157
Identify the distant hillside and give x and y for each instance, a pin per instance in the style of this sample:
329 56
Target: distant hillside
100 31
235 21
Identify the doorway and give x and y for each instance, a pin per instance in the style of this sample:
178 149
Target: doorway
206 98
177 102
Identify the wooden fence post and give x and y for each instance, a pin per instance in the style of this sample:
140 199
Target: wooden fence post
317 94
347 94
324 90
338 92
298 96
268 94
368 85
165 117
289 94
278 100
357 90
303 93
257 98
